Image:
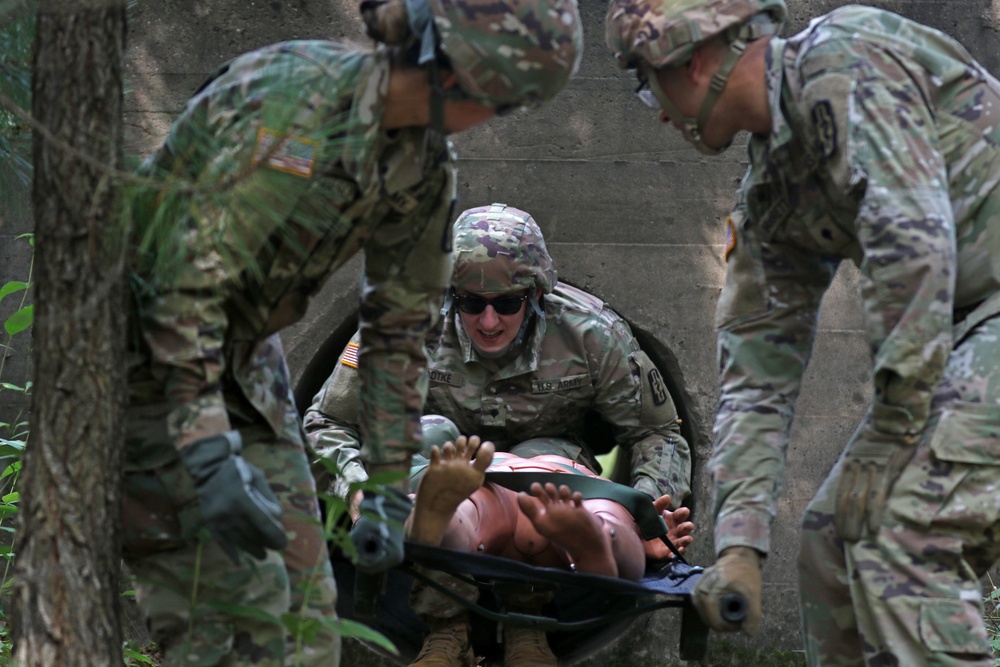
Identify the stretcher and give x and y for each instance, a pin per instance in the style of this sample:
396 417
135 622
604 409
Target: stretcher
587 611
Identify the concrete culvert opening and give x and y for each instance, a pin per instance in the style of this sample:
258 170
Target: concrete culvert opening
392 616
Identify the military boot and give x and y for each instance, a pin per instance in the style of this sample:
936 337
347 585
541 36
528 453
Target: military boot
447 645
527 647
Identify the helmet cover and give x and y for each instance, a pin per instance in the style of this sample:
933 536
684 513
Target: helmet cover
499 249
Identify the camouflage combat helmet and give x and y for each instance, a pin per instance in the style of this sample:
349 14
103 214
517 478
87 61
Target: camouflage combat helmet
504 52
661 33
647 35
498 249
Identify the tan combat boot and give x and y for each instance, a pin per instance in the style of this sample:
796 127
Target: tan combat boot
447 645
527 647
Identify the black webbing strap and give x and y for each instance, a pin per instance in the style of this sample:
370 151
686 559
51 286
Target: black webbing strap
638 504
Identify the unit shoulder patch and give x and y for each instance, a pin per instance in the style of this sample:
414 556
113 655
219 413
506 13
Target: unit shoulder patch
657 388
825 126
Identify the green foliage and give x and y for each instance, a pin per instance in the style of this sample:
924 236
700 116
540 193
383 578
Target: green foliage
992 618
13 440
17 27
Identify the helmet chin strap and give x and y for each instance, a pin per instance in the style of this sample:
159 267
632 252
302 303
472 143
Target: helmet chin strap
692 128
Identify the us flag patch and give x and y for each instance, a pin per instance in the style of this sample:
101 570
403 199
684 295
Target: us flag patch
290 154
350 355
730 237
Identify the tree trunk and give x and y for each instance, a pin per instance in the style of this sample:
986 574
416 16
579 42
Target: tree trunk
66 591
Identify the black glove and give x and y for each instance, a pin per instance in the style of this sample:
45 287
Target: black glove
236 501
378 534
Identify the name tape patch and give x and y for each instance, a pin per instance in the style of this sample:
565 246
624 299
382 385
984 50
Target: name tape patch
560 384
446 377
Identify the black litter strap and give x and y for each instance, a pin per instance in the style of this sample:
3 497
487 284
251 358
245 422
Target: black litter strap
672 578
667 586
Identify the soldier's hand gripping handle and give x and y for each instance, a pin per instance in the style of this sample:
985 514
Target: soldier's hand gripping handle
727 596
378 534
236 502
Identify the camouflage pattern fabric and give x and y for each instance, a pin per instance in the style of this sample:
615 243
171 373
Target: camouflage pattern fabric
664 33
884 151
498 249
510 52
580 357
285 175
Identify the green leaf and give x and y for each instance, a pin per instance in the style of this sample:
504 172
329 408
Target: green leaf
11 497
245 612
13 387
12 287
20 320
347 628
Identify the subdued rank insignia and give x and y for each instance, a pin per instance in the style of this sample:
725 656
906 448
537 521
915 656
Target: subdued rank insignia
350 355
656 387
287 153
730 243
826 127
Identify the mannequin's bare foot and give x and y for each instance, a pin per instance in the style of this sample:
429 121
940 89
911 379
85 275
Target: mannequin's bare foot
455 471
561 517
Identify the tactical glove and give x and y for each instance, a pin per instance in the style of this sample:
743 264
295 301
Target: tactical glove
236 501
872 463
727 596
378 534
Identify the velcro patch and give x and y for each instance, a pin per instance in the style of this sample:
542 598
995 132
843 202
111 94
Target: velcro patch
560 384
350 355
825 126
730 243
657 388
446 377
287 153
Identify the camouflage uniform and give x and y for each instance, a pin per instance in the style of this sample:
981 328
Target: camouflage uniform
577 356
300 177
580 357
884 151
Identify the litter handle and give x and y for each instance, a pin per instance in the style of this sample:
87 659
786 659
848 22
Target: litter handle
733 608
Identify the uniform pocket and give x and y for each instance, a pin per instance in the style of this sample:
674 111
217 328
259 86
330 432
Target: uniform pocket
952 626
968 433
951 480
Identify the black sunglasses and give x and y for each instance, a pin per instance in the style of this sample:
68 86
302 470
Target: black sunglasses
643 92
473 304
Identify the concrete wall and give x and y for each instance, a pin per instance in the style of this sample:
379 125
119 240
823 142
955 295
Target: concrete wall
630 212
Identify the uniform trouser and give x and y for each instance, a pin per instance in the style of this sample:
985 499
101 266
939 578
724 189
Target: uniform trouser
200 607
910 594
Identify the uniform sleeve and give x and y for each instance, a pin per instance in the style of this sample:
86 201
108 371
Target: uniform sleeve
767 316
633 398
183 322
407 267
905 227
331 425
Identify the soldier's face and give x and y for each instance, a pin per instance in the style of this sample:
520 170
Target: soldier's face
493 328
